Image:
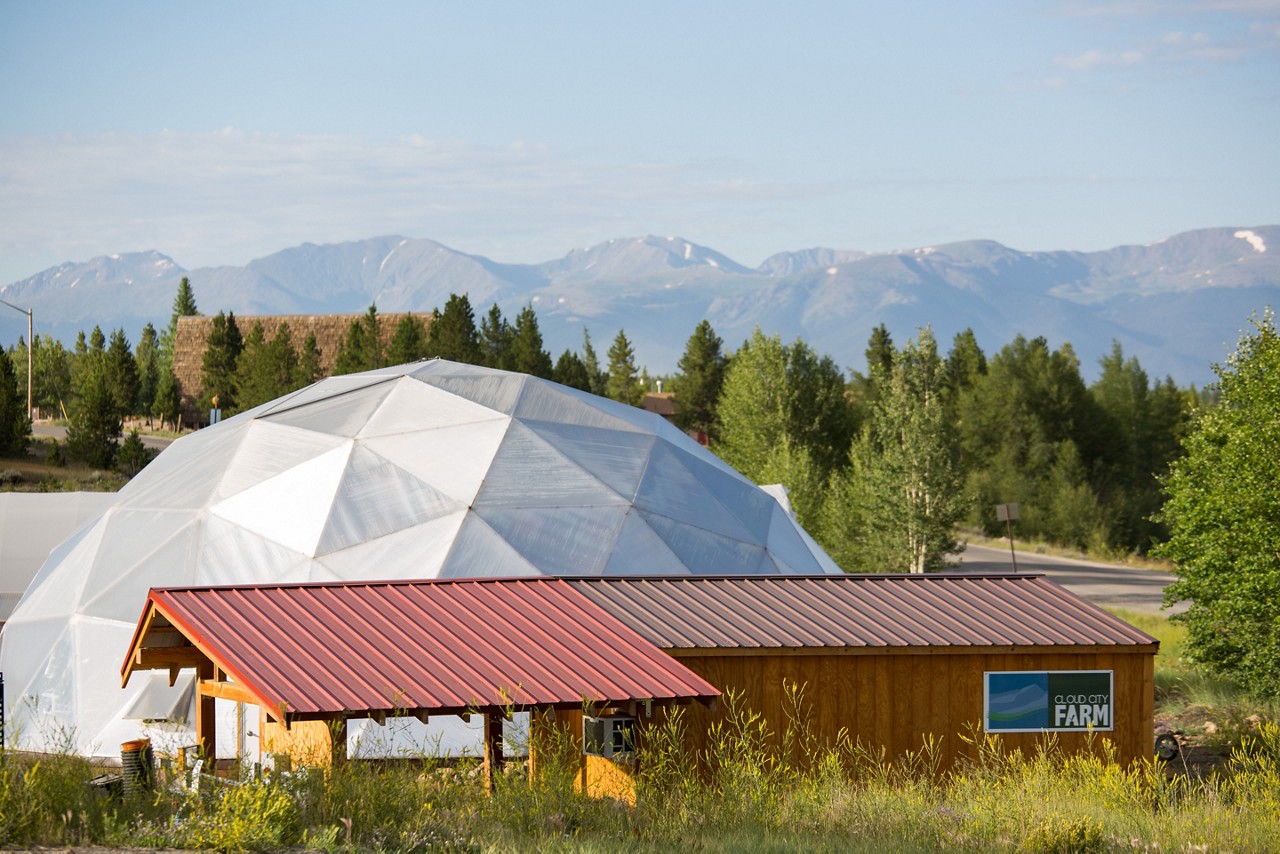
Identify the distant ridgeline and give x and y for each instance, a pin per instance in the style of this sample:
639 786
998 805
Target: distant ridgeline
330 330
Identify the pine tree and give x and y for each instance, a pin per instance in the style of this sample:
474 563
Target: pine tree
624 384
15 421
361 350
453 334
96 424
409 343
122 374
147 360
309 369
218 366
571 371
168 403
133 455
527 355
184 305
698 385
599 379
496 341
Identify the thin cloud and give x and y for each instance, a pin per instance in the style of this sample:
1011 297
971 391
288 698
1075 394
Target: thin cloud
230 196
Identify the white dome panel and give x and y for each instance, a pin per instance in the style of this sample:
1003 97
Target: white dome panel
290 508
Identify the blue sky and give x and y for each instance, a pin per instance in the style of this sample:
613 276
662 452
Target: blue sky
221 132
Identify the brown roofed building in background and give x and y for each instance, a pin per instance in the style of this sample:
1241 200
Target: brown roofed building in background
330 331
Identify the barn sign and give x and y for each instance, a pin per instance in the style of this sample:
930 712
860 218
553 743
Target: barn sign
1052 701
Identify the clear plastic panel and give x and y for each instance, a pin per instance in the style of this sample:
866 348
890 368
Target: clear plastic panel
233 555
118 587
544 401
157 700
744 499
453 460
417 552
40 687
327 388
705 552
618 459
268 449
130 537
58 586
186 473
528 472
497 391
669 488
640 551
414 406
787 546
100 648
339 415
479 551
376 498
560 540
292 507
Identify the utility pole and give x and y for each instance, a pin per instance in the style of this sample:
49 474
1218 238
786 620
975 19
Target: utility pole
31 349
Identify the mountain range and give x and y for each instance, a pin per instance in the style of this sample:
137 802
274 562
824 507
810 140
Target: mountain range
1179 305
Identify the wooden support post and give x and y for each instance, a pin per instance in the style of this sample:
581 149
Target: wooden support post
492 748
206 718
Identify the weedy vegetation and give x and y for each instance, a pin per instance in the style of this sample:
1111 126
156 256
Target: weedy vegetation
740 795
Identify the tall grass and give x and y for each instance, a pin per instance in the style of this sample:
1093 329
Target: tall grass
738 795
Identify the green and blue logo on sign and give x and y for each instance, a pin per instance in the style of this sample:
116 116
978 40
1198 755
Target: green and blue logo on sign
1052 701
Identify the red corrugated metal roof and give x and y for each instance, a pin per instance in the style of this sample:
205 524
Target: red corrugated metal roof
435 646
858 611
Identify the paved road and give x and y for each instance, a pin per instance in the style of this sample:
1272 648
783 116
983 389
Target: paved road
59 432
1104 583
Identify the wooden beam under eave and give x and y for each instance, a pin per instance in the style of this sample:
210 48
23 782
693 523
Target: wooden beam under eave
166 657
228 691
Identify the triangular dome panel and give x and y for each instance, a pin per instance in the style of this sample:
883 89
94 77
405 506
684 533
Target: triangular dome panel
481 552
618 459
417 552
640 551
559 540
452 460
376 498
672 490
292 507
414 406
529 472
232 554
560 405
340 415
266 450
495 390
706 552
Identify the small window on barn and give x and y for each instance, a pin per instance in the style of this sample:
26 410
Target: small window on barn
611 738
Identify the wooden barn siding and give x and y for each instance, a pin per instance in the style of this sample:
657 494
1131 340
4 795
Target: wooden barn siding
896 700
330 331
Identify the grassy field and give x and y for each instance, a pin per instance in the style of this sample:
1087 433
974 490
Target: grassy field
748 799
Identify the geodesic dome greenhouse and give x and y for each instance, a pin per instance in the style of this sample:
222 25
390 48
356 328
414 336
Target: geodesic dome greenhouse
432 469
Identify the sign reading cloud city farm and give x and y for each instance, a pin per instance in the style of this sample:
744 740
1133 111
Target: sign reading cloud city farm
1053 701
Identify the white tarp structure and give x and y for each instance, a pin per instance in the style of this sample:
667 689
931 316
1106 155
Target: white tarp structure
31 524
427 470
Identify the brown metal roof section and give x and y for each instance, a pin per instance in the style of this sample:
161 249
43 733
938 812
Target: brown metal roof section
936 610
439 647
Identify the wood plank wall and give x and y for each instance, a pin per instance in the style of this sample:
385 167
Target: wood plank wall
897 700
